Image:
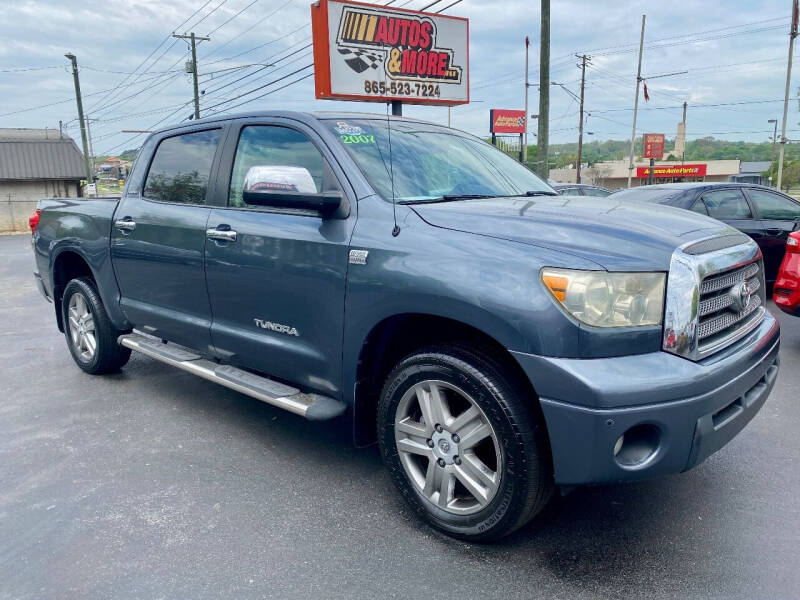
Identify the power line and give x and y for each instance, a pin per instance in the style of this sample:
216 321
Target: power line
25 69
246 93
271 91
211 12
57 102
249 29
634 46
141 64
254 48
261 87
231 19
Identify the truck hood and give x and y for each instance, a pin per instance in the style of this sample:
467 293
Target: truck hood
617 235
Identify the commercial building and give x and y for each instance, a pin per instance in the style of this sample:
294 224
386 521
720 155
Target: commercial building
753 172
35 164
614 174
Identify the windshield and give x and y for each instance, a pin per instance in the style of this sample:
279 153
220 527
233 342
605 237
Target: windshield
431 163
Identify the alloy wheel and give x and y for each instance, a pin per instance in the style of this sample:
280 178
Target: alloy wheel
81 327
448 447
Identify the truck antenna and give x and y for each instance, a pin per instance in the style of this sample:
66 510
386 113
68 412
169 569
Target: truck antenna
396 229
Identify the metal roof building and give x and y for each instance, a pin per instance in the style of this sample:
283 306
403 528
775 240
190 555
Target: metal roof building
35 164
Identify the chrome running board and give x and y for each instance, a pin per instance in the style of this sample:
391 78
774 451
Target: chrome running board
311 406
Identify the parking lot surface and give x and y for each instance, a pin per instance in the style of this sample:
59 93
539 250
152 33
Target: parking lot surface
152 483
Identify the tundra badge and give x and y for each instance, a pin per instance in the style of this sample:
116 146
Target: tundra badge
276 327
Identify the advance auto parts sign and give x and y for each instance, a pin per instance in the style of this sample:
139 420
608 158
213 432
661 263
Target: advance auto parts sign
376 54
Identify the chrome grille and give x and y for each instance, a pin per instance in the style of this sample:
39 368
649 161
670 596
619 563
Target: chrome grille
718 282
706 305
718 302
721 317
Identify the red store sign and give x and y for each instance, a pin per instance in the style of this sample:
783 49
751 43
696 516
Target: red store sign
663 171
506 121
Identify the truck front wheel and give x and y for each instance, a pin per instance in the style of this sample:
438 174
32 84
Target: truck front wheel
91 337
463 442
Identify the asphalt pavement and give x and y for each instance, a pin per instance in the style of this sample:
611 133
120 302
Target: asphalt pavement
152 483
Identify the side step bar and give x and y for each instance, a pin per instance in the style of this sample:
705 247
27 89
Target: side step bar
311 406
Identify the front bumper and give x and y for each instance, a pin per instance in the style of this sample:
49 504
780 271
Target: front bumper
674 412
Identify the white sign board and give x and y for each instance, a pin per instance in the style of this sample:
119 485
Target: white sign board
377 53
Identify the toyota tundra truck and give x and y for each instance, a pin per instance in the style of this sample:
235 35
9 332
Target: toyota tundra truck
498 341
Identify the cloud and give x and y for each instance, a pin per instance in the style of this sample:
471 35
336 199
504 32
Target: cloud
114 37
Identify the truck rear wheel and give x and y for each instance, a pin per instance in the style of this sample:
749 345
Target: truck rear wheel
91 337
463 443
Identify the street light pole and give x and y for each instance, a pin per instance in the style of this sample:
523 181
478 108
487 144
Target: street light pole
792 35
77 82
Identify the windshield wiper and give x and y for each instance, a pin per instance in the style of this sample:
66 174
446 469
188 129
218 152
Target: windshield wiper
540 193
449 198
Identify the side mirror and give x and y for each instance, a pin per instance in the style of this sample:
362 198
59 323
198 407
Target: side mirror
287 187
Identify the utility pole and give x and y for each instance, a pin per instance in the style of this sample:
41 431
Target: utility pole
544 92
194 39
584 59
525 136
77 82
683 154
636 102
792 35
91 149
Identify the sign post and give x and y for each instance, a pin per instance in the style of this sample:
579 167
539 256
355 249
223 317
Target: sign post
653 149
508 121
374 53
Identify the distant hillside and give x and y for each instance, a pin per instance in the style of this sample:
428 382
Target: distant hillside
707 148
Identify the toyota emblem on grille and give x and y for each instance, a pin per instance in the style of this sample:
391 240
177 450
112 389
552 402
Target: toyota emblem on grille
741 295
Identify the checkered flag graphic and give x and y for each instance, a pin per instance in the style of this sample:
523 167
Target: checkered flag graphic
361 60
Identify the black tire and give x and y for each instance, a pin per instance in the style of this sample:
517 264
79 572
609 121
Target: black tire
526 481
108 356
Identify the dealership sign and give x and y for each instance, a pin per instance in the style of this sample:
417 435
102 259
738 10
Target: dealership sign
653 145
698 170
376 54
506 121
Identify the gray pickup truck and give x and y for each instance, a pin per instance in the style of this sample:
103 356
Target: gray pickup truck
496 339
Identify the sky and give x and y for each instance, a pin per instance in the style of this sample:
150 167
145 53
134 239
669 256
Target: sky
132 77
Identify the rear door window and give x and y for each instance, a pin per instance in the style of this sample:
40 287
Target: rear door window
727 204
181 168
774 206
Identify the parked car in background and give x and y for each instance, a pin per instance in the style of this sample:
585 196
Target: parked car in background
580 189
787 287
763 213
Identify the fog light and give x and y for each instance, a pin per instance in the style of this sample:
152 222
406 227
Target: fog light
637 446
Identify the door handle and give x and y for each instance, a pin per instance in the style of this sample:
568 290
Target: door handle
221 235
773 231
126 224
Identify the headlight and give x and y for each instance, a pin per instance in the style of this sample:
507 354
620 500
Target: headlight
606 299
